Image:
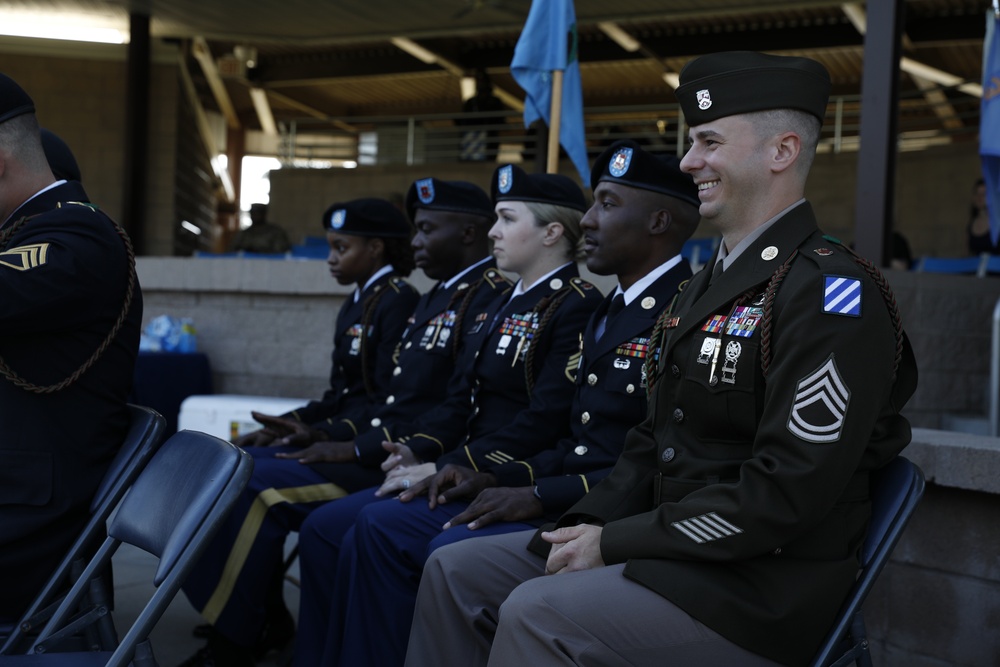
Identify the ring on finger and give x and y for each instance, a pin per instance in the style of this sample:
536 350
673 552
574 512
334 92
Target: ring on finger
406 483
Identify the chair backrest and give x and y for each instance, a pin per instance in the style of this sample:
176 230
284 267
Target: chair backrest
896 490
145 433
991 267
171 511
143 438
955 265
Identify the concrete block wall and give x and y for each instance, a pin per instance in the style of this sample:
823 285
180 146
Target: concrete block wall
949 322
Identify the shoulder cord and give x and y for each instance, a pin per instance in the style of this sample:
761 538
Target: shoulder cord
460 312
887 296
366 317
547 307
890 302
14 378
653 350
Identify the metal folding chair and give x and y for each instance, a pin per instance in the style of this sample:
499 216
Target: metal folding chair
143 438
174 507
896 490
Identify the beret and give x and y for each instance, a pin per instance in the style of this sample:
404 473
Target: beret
60 157
13 100
433 194
736 82
367 217
511 183
626 162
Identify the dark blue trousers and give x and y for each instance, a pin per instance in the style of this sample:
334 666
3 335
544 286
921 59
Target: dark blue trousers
229 584
372 592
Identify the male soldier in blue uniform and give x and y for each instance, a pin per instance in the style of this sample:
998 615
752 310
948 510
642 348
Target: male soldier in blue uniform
644 210
69 334
728 532
452 219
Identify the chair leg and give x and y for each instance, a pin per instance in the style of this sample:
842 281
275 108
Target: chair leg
144 655
106 634
860 634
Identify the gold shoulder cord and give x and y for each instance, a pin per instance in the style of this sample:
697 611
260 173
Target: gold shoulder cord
7 372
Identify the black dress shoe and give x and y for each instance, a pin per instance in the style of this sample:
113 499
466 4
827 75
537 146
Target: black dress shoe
278 633
220 652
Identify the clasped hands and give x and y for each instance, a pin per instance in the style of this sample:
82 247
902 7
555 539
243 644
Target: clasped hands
284 432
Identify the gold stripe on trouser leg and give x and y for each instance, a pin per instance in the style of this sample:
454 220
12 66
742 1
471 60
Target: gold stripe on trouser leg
248 534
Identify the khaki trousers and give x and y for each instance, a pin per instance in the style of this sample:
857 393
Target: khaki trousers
487 601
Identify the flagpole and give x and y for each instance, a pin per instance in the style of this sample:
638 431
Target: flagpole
552 154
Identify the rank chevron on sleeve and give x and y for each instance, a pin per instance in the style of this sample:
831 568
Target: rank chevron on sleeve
25 257
820 405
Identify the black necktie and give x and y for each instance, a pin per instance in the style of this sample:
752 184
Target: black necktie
716 272
616 306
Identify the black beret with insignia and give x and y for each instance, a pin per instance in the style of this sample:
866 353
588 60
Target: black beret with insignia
367 217
458 196
511 183
736 82
627 163
60 157
13 100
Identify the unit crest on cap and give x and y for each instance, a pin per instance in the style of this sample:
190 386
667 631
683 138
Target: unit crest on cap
337 218
505 178
425 190
620 162
704 99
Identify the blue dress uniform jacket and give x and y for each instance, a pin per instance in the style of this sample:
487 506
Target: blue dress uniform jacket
610 399
64 276
508 406
743 497
426 356
362 365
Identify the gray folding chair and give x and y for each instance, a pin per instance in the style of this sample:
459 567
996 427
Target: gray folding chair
143 438
896 490
174 507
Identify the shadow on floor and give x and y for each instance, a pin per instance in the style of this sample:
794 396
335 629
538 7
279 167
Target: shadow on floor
171 638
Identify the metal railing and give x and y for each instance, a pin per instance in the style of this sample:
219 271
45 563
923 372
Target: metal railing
924 121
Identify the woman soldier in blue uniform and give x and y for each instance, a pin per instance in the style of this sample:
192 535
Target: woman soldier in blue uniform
369 246
515 396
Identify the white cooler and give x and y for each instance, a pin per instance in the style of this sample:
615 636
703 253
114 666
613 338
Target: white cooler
227 416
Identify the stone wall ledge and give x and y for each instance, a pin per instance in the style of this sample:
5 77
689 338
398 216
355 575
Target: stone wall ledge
957 460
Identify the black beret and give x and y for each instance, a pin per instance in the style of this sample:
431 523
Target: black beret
511 183
456 196
13 100
737 82
627 163
60 157
367 217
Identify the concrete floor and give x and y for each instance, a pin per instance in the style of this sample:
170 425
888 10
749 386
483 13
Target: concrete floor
171 638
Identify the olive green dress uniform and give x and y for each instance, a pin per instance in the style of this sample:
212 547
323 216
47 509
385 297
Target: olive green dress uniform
743 498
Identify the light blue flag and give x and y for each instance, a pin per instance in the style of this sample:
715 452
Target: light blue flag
548 42
989 121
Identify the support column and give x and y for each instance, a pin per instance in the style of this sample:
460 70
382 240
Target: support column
137 86
874 215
